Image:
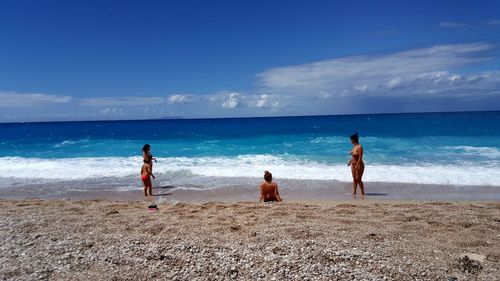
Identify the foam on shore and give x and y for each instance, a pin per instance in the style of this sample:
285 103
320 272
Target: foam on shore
283 167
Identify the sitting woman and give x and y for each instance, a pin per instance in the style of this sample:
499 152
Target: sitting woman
269 189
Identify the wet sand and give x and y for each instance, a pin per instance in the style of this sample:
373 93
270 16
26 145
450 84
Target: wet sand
290 190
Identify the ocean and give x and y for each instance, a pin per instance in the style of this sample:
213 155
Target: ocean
421 148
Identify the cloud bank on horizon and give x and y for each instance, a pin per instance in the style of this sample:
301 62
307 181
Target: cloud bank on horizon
423 79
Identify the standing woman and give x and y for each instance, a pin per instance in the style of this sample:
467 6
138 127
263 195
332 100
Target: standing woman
148 157
357 165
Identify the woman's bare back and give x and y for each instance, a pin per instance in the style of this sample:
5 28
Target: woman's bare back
269 192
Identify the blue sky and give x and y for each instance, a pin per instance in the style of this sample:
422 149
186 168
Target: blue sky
99 60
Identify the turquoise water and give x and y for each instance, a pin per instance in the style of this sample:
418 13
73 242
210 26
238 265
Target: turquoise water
433 148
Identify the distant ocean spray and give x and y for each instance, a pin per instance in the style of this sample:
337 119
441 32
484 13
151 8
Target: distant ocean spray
427 148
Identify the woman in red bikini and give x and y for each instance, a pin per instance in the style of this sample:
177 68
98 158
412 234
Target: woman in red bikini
146 174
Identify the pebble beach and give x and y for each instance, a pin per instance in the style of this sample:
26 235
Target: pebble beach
328 240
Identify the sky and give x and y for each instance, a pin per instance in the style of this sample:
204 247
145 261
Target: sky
110 60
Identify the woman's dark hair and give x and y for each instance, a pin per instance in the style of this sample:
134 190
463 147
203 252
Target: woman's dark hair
146 148
355 137
268 176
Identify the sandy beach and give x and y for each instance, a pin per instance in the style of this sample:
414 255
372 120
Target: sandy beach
324 240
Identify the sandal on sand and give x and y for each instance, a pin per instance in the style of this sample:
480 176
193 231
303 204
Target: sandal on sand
152 208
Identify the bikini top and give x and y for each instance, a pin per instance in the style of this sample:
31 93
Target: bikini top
354 151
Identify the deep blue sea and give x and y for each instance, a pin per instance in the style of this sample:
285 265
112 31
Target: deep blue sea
426 148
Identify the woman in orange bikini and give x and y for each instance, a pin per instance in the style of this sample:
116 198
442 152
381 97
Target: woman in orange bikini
147 156
357 165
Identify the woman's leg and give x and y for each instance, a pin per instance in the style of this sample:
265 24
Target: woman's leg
150 187
362 188
354 180
145 187
360 178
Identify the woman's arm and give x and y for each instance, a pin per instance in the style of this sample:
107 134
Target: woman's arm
151 171
261 194
277 194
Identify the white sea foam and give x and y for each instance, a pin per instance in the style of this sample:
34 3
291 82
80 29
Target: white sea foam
64 143
328 140
243 166
488 152
70 142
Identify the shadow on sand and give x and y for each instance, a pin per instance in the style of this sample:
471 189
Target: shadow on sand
164 187
376 194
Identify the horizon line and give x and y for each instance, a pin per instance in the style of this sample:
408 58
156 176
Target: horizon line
167 118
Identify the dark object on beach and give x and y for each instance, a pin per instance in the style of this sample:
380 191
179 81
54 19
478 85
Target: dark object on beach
152 207
112 212
467 265
235 227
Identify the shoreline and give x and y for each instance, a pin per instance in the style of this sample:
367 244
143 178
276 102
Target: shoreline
303 190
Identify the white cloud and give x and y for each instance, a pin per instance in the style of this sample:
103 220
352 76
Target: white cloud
452 24
109 110
212 99
361 88
265 101
262 101
454 78
411 72
147 110
276 104
122 101
232 101
179 99
395 82
418 79
14 99
323 95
